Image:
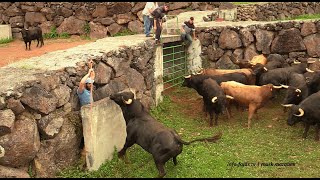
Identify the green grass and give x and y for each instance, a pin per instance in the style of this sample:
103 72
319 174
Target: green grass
125 32
304 17
6 40
269 140
53 34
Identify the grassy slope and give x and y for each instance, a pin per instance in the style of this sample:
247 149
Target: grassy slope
269 140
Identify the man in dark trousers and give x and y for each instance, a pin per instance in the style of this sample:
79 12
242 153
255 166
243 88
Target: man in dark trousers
158 14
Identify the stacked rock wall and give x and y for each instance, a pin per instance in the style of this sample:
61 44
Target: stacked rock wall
40 124
221 46
108 18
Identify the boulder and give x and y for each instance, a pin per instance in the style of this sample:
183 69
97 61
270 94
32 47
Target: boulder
100 144
15 105
133 79
46 26
308 28
214 53
105 21
16 21
229 39
103 73
83 14
7 118
48 12
22 144
9 172
179 5
13 11
264 39
62 93
61 152
138 7
238 54
225 63
136 26
205 38
65 12
50 125
125 18
119 8
141 62
100 12
39 99
74 100
250 52
312 43
246 37
58 20
140 17
275 57
97 31
34 18
114 29
25 8
112 87
288 40
2 102
72 25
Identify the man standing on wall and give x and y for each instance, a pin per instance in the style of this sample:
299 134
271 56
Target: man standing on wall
147 17
186 29
158 14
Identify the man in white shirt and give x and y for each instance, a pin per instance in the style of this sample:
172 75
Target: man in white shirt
147 17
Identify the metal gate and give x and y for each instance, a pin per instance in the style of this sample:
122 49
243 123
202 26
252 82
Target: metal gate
174 64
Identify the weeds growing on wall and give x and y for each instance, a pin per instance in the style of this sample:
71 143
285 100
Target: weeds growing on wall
86 29
5 40
53 34
125 32
304 17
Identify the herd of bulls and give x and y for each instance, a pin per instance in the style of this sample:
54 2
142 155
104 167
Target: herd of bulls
254 84
251 86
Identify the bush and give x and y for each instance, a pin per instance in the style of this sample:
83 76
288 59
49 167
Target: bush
5 40
53 34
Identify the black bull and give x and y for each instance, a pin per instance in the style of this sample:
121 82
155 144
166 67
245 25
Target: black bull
162 142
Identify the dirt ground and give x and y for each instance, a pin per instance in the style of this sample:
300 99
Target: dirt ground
15 51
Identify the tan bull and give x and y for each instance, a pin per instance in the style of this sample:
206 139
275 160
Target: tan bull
251 96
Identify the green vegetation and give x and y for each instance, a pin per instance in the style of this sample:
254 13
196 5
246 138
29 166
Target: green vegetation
124 32
5 40
53 34
304 17
270 140
87 29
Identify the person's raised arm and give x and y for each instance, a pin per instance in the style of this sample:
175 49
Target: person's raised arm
82 83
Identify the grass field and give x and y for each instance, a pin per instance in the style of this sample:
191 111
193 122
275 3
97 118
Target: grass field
270 140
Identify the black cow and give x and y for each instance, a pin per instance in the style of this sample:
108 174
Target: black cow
281 75
308 111
314 83
297 89
276 61
142 129
31 34
194 81
214 99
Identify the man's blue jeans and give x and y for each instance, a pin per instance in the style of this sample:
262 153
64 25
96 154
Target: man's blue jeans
186 37
147 25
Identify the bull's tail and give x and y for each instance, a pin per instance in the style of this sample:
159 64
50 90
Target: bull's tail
208 139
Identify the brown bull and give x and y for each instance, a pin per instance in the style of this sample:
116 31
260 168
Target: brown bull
250 96
258 59
248 72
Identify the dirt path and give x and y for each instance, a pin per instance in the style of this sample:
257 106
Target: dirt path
15 50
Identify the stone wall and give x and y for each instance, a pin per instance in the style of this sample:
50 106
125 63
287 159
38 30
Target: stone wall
276 10
40 124
221 46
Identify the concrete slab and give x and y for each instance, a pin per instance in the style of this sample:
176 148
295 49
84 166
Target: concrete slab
5 31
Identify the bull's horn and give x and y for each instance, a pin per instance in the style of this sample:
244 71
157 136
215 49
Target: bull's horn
277 87
286 105
213 100
301 113
187 77
298 90
309 70
296 62
127 102
251 63
200 72
265 68
230 97
310 62
284 86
